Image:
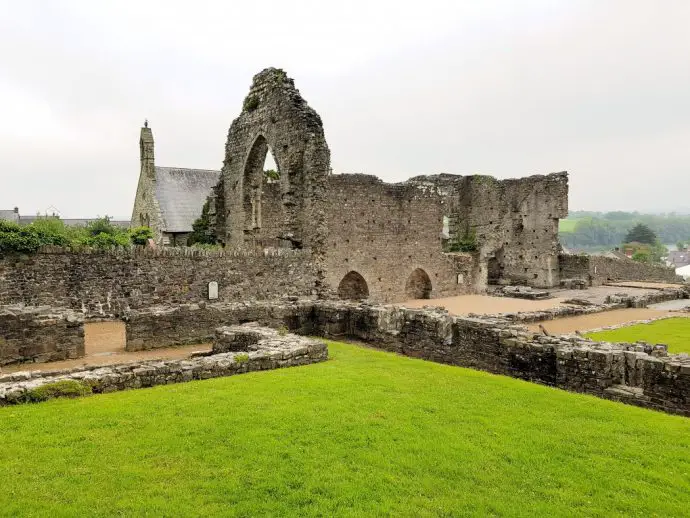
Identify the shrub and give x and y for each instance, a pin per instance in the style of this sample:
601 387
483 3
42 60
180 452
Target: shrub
62 388
251 103
140 235
466 243
241 358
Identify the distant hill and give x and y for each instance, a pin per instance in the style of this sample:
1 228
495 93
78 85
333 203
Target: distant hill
597 230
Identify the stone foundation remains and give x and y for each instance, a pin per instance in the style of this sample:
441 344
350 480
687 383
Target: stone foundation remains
266 350
635 373
40 334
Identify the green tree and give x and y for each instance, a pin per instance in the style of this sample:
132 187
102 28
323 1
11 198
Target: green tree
640 233
201 229
140 235
642 256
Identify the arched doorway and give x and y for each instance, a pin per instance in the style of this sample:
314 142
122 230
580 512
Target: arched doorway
353 287
418 285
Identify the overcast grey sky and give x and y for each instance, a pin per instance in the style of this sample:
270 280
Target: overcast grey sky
509 88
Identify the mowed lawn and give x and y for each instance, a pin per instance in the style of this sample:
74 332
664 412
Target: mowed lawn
674 332
365 434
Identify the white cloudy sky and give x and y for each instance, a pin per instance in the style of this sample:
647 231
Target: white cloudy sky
600 88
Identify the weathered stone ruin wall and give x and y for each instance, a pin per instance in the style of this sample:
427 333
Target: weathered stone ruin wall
515 222
267 350
385 232
386 237
39 334
598 270
643 375
274 117
390 234
103 283
639 374
164 326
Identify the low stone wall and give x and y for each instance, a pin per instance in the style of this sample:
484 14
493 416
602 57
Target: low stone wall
598 270
39 334
165 326
636 373
111 282
643 375
269 352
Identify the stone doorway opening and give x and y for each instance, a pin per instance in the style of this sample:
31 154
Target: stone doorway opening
418 285
104 338
353 287
494 267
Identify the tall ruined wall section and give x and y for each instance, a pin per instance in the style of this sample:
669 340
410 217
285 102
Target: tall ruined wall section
112 282
386 232
514 222
274 118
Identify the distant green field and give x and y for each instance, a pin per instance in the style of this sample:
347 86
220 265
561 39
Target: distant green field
567 225
674 332
366 433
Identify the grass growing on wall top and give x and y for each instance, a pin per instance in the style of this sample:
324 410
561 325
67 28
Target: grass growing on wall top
367 433
674 332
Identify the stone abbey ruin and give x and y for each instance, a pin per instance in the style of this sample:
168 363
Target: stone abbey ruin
295 244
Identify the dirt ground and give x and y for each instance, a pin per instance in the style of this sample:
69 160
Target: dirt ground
584 323
104 337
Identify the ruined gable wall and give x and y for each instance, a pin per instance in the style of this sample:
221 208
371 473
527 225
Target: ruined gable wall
110 282
386 231
275 116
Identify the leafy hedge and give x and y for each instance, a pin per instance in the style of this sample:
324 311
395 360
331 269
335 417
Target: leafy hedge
101 233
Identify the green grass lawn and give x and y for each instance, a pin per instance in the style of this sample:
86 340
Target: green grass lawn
674 332
567 225
365 434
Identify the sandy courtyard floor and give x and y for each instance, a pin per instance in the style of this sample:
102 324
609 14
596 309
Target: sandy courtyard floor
584 323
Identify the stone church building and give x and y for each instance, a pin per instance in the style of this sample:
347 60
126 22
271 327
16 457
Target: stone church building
168 199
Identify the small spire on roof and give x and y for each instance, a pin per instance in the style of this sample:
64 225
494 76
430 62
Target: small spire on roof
146 123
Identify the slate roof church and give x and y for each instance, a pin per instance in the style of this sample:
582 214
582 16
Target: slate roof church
169 199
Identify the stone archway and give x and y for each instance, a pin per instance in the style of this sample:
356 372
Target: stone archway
353 287
418 285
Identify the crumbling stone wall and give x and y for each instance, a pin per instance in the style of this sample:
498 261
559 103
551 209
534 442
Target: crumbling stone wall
275 116
104 283
39 334
390 234
270 351
598 270
382 232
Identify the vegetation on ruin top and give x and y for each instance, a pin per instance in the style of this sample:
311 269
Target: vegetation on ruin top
52 231
674 332
367 433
